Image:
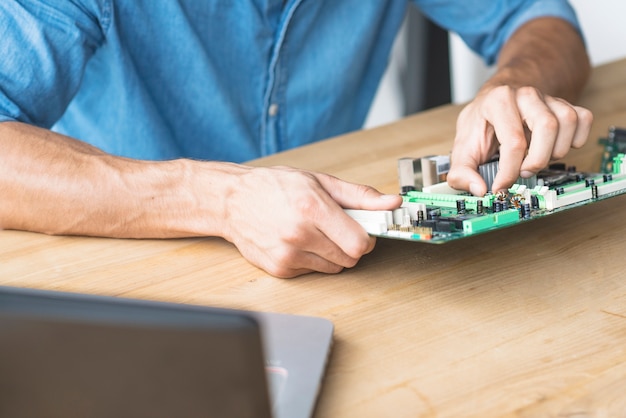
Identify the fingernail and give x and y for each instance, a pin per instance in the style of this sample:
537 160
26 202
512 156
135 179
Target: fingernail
389 196
526 174
474 189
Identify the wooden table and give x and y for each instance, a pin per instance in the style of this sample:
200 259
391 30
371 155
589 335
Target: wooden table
527 321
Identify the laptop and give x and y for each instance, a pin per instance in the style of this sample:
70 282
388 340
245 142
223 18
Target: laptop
73 355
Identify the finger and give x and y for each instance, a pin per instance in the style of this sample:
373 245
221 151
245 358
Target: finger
342 246
357 196
474 144
508 126
572 129
307 263
548 136
568 121
290 260
343 239
464 176
574 125
318 258
346 240
312 263
585 121
335 255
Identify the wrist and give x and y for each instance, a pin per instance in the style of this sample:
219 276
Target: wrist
191 197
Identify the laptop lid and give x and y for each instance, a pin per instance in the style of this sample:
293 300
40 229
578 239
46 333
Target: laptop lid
296 349
72 355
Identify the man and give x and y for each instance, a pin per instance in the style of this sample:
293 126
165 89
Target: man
129 118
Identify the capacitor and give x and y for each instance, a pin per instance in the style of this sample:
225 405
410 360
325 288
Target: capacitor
560 191
433 214
526 210
479 207
589 182
534 200
497 206
460 206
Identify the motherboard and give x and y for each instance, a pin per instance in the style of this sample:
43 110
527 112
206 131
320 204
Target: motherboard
433 212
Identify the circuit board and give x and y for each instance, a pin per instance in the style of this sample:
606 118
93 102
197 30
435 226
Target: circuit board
433 212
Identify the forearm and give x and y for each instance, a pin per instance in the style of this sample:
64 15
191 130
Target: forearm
547 54
54 184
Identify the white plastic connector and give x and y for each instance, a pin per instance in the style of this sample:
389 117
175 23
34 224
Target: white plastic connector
441 188
375 222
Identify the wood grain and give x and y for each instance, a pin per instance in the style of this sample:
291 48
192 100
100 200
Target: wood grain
529 321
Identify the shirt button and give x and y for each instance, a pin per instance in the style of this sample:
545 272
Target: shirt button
273 110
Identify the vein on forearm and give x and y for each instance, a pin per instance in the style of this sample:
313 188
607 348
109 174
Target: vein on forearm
57 185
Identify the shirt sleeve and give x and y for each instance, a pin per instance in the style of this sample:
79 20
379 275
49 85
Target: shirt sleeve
485 25
45 47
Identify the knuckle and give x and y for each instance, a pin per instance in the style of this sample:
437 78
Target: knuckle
349 264
517 145
366 246
307 203
585 115
566 114
451 175
308 208
277 268
501 94
356 250
466 116
364 190
557 153
527 92
549 123
504 90
453 178
285 254
335 269
281 260
293 237
282 273
457 184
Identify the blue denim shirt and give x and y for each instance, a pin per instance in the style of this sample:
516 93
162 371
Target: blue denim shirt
225 80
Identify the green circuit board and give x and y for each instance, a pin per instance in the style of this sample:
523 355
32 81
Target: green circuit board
432 212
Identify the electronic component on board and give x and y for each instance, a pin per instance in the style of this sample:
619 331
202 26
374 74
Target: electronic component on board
614 144
416 173
437 213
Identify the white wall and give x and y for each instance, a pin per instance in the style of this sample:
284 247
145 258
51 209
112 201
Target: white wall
601 21
388 104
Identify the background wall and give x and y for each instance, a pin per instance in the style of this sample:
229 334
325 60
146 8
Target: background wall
601 21
408 85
